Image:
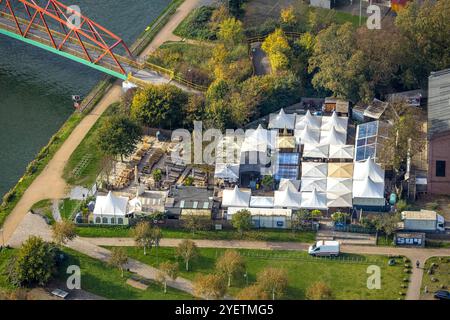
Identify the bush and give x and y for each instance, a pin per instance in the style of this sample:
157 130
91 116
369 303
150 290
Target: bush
196 25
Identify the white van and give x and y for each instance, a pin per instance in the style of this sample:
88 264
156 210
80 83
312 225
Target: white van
324 249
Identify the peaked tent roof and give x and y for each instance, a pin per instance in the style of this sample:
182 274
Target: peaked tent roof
340 169
258 140
228 150
261 202
281 120
111 205
341 151
307 135
340 185
368 188
314 200
314 122
294 185
285 142
312 150
235 198
287 199
227 171
309 184
340 123
368 168
333 136
314 169
339 200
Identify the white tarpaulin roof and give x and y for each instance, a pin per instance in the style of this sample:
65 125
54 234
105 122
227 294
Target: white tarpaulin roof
235 198
341 151
314 169
287 199
111 205
309 184
281 120
339 185
313 122
294 185
227 171
261 202
367 188
261 211
314 200
312 150
340 123
339 200
368 168
228 150
259 140
333 136
307 135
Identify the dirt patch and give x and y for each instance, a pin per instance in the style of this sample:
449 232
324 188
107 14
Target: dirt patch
258 11
439 203
137 284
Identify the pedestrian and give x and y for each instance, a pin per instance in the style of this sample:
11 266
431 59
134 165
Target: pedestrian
417 263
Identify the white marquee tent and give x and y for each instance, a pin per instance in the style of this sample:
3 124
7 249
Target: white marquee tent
225 171
313 122
368 168
312 150
339 185
339 200
341 151
314 200
261 202
294 185
281 120
287 199
339 123
314 170
309 184
333 136
368 188
307 135
235 198
110 209
259 140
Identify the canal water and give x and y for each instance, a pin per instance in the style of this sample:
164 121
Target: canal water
36 86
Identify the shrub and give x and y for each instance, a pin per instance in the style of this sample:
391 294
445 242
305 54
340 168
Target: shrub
196 25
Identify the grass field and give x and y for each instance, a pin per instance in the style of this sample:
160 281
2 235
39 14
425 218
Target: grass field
257 235
346 278
98 278
5 255
441 272
67 208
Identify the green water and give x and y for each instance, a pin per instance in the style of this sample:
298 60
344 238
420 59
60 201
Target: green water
36 86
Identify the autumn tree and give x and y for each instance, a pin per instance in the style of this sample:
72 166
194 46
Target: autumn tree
159 106
167 271
231 31
187 250
274 281
318 291
210 286
253 292
63 231
194 223
156 236
231 265
118 136
287 16
242 221
142 234
276 46
118 259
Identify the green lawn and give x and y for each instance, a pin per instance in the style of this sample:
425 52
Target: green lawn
98 278
441 272
5 255
347 278
44 207
257 235
67 208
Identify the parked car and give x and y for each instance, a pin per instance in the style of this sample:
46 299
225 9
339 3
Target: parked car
325 248
442 295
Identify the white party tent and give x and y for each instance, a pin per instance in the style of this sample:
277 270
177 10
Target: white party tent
368 168
341 151
339 123
312 150
339 185
235 198
287 198
261 202
309 184
314 170
228 172
333 136
368 192
110 209
313 122
281 120
294 185
314 200
307 135
339 200
340 170
259 140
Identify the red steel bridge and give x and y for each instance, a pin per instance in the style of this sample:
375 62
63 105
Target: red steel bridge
55 27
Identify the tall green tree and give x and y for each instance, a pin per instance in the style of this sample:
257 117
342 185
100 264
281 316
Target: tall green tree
159 106
118 135
242 221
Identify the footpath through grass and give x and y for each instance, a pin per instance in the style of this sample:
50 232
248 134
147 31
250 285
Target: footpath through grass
98 278
254 235
347 277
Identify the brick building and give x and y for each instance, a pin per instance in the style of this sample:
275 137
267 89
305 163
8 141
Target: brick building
439 132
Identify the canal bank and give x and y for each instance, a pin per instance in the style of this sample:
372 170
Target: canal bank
50 184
